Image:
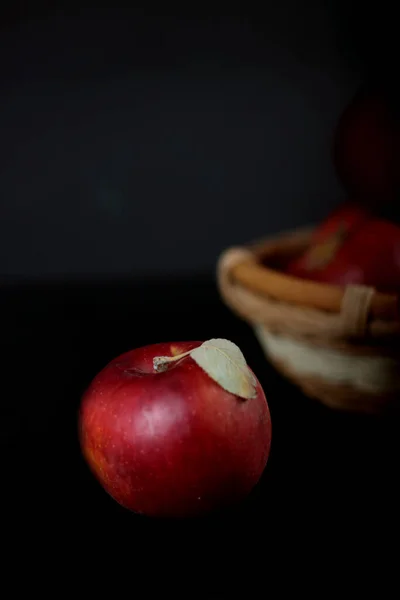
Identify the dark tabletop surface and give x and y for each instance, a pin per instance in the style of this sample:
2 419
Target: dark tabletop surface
330 478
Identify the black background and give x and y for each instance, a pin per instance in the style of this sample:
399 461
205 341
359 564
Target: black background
86 277
331 478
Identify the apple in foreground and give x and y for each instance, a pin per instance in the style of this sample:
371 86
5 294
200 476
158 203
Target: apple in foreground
176 429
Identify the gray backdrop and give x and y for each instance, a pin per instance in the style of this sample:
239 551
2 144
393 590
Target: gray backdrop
147 145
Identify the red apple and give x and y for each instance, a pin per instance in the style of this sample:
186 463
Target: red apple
368 255
366 147
327 239
172 443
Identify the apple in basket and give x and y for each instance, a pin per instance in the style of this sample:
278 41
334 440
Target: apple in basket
366 147
327 238
346 249
176 429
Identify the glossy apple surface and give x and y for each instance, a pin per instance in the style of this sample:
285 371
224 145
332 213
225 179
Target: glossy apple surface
174 443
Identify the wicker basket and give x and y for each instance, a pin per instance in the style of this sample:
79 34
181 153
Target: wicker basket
340 345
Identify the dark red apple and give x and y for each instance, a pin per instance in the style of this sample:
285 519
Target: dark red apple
366 147
369 254
172 443
327 239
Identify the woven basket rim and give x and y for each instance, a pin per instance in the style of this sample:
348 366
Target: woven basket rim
254 274
357 318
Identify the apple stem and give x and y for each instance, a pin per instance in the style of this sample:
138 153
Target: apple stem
160 363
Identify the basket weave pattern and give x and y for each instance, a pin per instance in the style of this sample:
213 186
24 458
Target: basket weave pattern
340 345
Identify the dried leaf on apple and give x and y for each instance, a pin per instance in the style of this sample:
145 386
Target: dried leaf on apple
224 362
